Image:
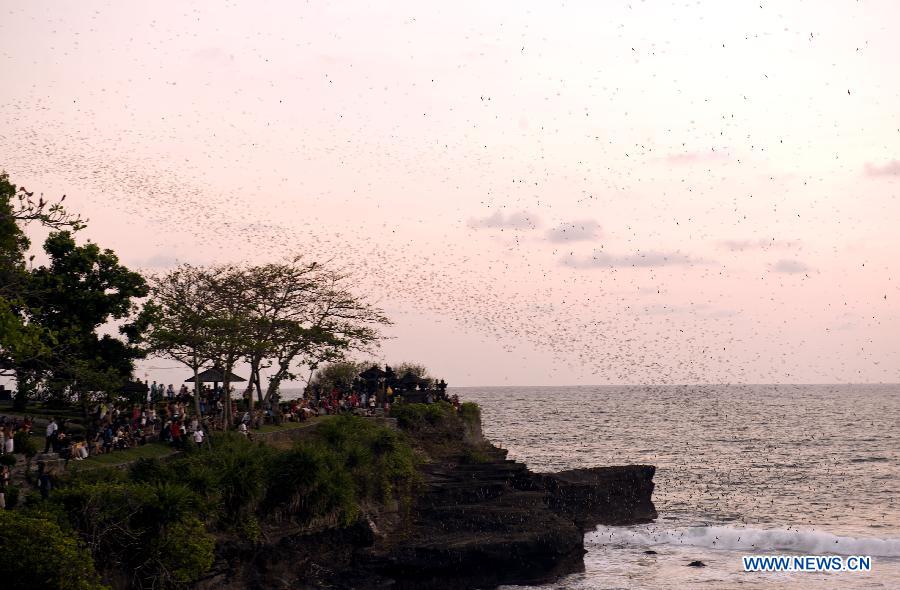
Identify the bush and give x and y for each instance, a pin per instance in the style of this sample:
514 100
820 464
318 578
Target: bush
152 520
7 460
311 482
187 550
12 496
236 469
149 471
416 417
134 524
470 413
350 462
36 553
25 444
474 456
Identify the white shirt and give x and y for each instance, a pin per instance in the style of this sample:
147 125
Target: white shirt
51 428
198 436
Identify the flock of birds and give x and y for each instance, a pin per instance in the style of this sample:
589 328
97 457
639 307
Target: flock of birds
444 232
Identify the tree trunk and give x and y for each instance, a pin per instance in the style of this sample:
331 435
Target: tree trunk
196 369
226 386
226 396
254 364
22 387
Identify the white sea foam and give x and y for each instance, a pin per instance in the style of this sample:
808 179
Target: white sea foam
809 542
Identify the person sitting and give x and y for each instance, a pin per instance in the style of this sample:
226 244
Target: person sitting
64 446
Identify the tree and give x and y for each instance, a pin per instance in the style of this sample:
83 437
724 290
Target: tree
277 296
20 341
228 323
49 316
82 289
338 374
420 371
175 320
333 323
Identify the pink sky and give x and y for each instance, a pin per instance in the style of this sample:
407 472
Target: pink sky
537 192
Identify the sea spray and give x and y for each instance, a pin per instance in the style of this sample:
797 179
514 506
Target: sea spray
746 539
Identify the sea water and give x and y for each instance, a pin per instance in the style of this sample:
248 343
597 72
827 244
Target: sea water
741 470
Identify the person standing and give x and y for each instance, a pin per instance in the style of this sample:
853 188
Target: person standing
154 390
198 438
4 484
52 428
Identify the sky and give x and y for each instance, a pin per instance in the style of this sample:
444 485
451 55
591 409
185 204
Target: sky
536 193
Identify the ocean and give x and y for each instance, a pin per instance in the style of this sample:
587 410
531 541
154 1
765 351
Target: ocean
741 470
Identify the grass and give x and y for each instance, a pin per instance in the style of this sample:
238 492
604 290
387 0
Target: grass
149 451
285 426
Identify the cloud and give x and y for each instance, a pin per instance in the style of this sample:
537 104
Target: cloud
649 258
574 231
521 220
760 244
790 266
892 168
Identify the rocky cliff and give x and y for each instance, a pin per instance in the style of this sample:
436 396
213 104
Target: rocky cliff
477 520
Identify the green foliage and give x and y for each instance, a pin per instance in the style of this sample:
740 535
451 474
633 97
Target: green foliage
420 371
135 524
309 482
186 549
474 456
240 468
339 374
417 417
36 553
25 444
12 496
7 460
49 315
351 462
81 289
155 519
470 412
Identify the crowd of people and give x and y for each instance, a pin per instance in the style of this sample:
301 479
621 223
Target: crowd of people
169 416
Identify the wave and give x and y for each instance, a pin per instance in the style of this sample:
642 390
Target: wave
809 542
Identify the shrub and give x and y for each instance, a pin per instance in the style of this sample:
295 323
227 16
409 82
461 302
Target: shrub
133 525
409 416
474 456
440 416
239 470
25 444
149 471
187 550
7 460
350 462
12 496
36 553
310 482
470 412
